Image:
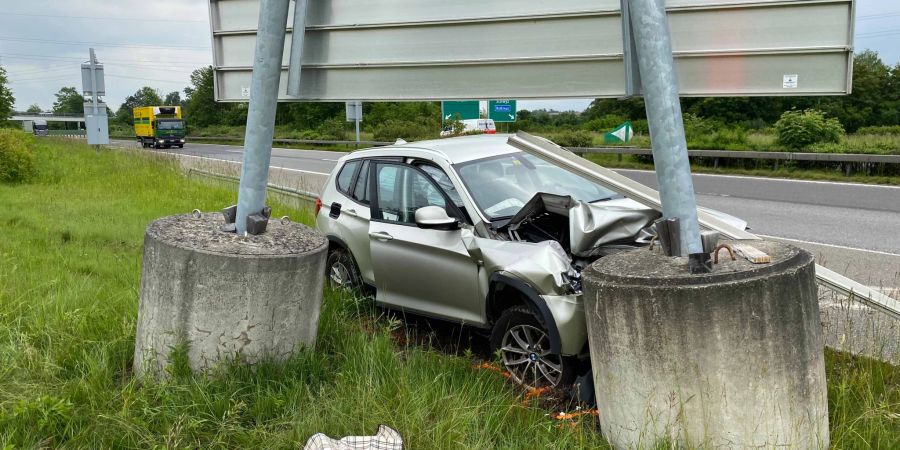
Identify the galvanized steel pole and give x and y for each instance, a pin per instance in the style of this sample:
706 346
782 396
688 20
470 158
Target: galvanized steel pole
659 82
298 34
264 85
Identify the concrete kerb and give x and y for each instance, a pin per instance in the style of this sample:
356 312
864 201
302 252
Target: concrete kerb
733 359
227 297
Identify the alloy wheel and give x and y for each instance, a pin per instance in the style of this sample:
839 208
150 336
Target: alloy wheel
339 276
526 354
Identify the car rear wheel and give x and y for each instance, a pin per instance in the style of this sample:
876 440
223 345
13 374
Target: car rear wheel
341 270
525 350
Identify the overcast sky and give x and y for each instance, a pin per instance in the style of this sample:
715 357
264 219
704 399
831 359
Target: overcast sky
159 42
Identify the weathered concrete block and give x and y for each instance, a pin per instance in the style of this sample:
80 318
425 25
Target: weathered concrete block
731 359
227 296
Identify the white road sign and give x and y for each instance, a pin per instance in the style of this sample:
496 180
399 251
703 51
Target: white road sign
469 49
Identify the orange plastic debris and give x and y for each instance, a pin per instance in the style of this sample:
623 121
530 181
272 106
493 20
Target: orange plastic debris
573 415
534 393
492 368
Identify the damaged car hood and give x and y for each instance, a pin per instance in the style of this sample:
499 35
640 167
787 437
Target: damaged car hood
584 228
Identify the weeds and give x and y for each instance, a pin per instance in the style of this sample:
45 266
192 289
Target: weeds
69 284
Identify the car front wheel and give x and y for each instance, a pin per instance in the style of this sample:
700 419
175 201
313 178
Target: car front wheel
525 350
341 270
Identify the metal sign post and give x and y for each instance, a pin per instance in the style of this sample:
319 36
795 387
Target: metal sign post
355 114
273 15
659 83
93 85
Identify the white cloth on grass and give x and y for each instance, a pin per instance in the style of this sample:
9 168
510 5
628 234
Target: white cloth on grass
386 439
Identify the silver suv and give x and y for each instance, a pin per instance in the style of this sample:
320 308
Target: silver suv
476 231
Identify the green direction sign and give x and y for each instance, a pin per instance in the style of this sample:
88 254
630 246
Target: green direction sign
502 110
465 110
620 134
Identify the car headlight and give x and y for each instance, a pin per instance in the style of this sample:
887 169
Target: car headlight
182 141
161 141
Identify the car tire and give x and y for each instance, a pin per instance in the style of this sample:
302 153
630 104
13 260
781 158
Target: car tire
181 146
341 271
523 342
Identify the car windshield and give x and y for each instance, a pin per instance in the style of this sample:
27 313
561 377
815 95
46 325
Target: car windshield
171 125
502 185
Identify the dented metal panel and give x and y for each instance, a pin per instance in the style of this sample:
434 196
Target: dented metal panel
433 49
555 154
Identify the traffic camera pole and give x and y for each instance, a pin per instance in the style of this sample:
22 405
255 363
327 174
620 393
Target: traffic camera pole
264 85
659 81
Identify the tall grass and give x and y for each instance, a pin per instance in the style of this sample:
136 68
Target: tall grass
70 253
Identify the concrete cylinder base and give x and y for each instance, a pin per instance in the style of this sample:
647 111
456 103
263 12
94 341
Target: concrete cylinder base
227 296
731 359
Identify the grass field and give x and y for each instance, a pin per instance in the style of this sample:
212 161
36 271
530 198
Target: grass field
70 253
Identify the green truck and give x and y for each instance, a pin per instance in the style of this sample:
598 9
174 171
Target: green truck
159 126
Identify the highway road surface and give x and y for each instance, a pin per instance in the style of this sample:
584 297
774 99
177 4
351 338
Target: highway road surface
852 228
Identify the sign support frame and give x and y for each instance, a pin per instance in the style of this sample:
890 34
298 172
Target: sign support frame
264 85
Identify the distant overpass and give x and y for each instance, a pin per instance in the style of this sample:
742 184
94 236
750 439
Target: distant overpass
49 117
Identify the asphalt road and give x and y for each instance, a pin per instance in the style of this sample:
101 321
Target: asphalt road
853 228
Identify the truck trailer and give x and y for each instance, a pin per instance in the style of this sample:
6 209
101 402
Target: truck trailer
159 126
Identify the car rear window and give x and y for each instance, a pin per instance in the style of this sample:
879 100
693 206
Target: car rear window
361 190
346 176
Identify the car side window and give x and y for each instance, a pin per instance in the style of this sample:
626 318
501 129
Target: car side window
401 191
361 188
443 181
346 176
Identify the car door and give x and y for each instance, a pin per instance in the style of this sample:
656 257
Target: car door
422 270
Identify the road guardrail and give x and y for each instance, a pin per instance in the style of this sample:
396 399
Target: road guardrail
296 141
745 154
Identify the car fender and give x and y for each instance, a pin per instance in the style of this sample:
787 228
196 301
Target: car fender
532 299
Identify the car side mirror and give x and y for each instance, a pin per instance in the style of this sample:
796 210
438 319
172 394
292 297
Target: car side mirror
435 218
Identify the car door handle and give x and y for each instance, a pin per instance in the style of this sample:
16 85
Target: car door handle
381 236
351 211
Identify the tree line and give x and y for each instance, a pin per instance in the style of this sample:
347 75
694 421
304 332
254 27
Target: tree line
874 101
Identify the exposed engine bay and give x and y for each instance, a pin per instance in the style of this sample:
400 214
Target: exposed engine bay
569 235
586 231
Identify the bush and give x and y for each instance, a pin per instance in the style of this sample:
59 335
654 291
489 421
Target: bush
578 138
884 130
333 129
800 129
604 124
16 158
392 129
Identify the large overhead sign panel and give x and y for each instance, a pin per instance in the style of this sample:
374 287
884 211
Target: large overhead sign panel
465 49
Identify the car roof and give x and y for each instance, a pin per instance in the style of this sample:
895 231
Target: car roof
455 150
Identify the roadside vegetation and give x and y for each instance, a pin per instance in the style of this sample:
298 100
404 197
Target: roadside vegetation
69 285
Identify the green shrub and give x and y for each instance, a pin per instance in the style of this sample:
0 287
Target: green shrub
16 159
883 130
640 126
577 138
800 129
393 129
604 124
333 129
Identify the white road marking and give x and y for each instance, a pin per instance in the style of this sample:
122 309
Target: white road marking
842 247
301 171
239 162
792 180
